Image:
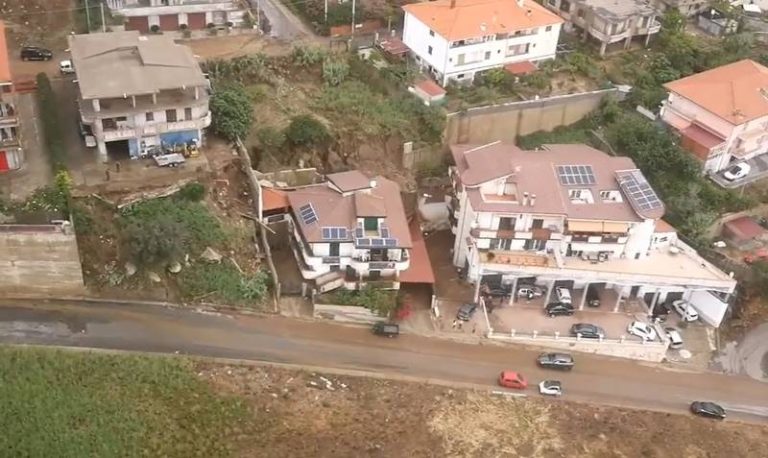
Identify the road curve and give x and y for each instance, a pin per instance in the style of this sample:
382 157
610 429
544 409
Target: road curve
277 339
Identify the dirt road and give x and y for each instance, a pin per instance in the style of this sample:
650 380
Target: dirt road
157 329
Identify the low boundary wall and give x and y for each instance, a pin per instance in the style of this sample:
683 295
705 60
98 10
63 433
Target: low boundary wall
345 313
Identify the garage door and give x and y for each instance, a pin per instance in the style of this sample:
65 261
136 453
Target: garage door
4 162
140 23
196 21
169 22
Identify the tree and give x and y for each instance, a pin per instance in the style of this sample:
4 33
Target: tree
231 111
305 131
335 71
149 242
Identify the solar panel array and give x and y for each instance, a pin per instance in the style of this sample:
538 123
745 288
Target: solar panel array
639 191
334 233
570 175
307 213
376 242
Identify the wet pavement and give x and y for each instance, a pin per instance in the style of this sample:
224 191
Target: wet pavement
278 339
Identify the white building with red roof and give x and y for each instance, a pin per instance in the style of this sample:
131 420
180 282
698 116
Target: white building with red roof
456 39
572 216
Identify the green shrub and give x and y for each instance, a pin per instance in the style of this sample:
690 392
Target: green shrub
379 301
335 71
231 112
223 282
193 192
307 56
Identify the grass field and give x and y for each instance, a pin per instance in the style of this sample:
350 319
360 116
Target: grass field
66 404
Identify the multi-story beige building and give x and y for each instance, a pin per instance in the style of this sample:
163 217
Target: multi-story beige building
608 21
139 92
171 15
11 154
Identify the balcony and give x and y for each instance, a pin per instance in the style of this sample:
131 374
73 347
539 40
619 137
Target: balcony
533 234
331 259
127 131
608 37
516 258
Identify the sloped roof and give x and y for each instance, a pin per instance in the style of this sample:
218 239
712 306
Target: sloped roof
420 268
736 92
114 64
5 65
351 180
534 172
463 19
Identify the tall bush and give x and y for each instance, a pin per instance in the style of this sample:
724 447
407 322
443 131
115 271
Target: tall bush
49 118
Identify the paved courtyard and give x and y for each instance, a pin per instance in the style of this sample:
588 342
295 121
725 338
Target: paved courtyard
758 171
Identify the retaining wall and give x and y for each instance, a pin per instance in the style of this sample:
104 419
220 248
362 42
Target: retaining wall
345 313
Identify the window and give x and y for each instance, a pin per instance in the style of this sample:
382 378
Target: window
506 224
501 244
460 76
610 196
535 245
565 5
431 33
371 224
580 13
487 55
188 114
150 116
548 28
552 2
429 50
170 115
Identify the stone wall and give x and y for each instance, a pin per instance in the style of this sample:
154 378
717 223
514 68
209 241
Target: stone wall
345 313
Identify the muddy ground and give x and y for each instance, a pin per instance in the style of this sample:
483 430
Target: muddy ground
302 414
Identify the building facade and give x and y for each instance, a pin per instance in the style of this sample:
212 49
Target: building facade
145 16
721 115
608 21
156 94
569 215
688 8
11 154
456 39
350 232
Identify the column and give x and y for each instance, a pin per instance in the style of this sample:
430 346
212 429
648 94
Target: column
477 286
514 292
655 299
550 287
628 42
603 46
584 296
647 39
102 147
618 300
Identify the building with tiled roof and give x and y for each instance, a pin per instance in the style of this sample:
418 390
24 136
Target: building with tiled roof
350 231
11 155
721 114
456 39
572 216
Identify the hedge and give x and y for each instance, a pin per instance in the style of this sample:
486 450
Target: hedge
51 125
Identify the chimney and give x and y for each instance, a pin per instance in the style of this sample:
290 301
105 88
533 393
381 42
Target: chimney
525 198
453 4
520 3
373 183
533 200
528 13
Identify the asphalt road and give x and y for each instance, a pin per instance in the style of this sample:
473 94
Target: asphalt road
284 25
277 339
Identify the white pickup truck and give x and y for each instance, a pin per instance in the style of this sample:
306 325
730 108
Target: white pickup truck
170 160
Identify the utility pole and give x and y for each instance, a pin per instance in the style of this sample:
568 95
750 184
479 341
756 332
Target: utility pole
103 22
353 19
87 17
326 12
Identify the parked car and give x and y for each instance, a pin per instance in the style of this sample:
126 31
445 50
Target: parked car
563 295
737 172
587 331
66 67
551 388
685 310
466 311
511 379
707 409
562 361
761 254
660 312
643 330
675 339
386 329
593 296
558 309
494 291
35 53
530 291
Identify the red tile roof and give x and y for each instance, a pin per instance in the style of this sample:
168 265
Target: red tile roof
420 268
702 136
663 226
431 88
462 19
272 199
5 66
521 68
393 46
744 228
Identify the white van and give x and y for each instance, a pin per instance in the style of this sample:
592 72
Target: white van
66 67
675 339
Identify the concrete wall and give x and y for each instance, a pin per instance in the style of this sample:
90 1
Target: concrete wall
39 260
345 313
650 351
508 121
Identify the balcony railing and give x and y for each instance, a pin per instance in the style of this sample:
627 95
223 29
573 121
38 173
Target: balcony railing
381 265
126 132
331 259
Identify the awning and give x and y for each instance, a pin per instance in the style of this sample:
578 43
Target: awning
615 228
585 226
702 136
420 268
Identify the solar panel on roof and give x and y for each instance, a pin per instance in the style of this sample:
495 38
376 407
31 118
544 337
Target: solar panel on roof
359 233
363 242
307 213
334 233
570 175
385 232
390 242
377 242
639 192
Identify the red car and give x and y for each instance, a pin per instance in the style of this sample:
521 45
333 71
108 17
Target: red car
510 379
757 255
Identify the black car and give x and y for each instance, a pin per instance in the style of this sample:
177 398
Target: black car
562 361
587 331
466 311
558 309
35 53
707 409
593 297
660 312
386 329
